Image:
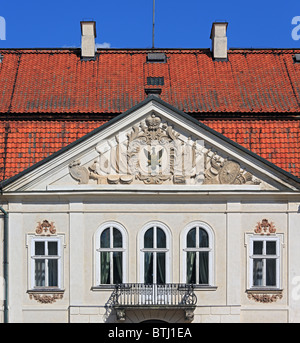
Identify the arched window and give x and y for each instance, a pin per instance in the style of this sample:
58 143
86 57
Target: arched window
111 242
155 254
198 254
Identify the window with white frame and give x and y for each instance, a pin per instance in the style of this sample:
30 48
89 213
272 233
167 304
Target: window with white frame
155 254
264 262
197 241
111 242
46 262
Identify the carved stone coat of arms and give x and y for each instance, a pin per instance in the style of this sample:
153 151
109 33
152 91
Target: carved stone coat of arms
154 153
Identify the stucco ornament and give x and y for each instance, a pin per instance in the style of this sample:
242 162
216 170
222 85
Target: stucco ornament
79 172
46 298
265 298
220 170
265 227
152 152
45 228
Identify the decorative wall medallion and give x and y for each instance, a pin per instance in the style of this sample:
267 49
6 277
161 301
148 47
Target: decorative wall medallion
265 228
45 228
45 298
265 298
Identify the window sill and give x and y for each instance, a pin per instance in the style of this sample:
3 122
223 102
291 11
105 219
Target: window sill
264 290
205 288
102 287
46 290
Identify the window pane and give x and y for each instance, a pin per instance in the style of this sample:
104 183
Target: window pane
161 268
52 248
39 272
105 267
257 272
257 247
53 273
39 248
105 239
117 262
191 267
148 238
203 267
117 238
161 238
148 267
191 238
271 272
203 239
271 248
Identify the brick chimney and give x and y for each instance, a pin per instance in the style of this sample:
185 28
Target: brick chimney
219 41
88 35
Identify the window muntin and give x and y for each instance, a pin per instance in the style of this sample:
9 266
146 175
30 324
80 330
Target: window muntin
155 254
197 240
197 259
46 263
110 254
264 262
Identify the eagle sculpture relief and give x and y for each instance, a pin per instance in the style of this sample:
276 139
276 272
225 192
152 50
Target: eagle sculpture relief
153 158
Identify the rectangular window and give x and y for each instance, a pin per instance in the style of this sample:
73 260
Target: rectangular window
264 262
45 262
155 81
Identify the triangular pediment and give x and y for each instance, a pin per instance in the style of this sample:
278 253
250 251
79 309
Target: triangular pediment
153 146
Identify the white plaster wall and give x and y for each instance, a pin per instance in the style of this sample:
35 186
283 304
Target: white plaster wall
79 219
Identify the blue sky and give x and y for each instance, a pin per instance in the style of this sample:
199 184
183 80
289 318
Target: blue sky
128 23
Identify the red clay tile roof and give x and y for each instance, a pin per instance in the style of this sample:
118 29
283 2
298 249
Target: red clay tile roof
57 81
40 88
25 143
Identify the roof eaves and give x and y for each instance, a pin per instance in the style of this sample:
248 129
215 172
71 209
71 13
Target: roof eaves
287 175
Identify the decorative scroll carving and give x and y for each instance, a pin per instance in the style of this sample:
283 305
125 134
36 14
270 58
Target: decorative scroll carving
45 228
265 228
265 298
45 298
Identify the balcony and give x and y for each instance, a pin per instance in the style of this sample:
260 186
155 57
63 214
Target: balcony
154 296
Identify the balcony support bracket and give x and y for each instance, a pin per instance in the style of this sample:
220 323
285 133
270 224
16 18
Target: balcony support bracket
121 314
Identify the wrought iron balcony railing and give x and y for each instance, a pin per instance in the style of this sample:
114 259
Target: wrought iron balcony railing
164 296
139 294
